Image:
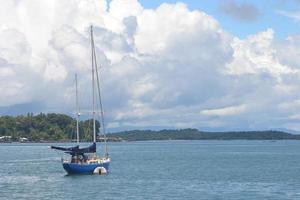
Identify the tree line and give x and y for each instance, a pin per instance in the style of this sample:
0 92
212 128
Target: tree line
60 127
195 134
46 127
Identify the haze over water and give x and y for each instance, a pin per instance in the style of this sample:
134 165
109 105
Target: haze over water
159 170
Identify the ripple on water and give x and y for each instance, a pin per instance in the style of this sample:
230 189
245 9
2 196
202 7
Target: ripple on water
160 170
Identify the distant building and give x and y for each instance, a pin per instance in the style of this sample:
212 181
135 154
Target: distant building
109 139
5 138
23 139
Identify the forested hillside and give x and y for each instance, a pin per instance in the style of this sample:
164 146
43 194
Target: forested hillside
60 127
47 127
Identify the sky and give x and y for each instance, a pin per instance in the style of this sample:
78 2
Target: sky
208 64
232 14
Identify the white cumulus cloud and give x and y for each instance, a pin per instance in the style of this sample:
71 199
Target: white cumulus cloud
162 67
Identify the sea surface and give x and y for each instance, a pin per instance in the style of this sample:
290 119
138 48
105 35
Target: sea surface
158 170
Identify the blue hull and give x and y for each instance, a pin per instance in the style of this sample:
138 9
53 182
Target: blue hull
75 168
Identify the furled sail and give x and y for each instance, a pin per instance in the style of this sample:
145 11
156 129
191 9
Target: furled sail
76 150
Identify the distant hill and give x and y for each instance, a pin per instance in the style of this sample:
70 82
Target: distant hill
60 127
194 134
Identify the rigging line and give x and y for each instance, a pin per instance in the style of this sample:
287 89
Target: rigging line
100 101
99 117
99 120
77 112
93 80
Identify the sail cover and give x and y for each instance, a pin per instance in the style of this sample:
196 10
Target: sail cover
76 150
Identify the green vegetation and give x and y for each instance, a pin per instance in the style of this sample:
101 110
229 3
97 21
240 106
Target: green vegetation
194 134
45 127
59 127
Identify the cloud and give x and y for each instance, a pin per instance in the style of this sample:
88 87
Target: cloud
240 11
288 51
255 55
164 67
291 14
232 110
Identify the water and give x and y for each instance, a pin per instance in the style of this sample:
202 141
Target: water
159 170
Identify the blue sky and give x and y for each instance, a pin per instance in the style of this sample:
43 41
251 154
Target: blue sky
269 16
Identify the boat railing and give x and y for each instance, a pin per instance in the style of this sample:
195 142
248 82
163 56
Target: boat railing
88 159
64 160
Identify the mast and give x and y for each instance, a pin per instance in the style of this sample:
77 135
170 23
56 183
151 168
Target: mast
77 110
93 80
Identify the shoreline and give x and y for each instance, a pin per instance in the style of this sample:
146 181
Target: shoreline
68 142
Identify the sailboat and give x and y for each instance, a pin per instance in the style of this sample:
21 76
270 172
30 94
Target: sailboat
85 160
